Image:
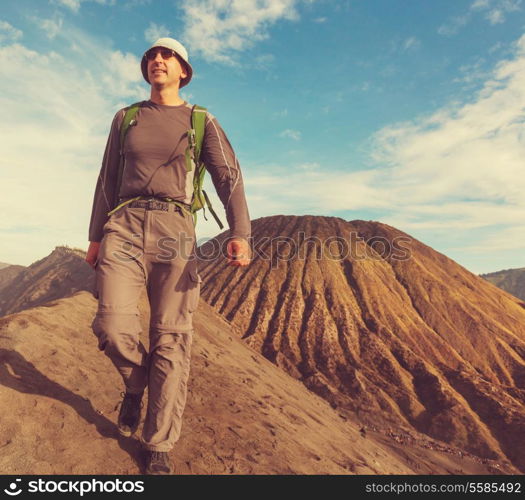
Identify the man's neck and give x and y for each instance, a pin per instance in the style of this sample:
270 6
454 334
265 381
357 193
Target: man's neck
166 96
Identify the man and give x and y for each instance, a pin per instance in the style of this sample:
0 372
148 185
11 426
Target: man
150 241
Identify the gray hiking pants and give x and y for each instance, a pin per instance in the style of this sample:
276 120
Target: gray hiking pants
155 248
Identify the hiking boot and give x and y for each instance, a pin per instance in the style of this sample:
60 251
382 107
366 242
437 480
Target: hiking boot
129 415
158 462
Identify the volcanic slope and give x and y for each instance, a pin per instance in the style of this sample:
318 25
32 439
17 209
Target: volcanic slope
243 414
60 274
385 327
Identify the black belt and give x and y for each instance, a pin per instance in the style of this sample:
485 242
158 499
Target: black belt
152 203
159 204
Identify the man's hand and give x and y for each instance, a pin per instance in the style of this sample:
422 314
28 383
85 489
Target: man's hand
92 253
238 252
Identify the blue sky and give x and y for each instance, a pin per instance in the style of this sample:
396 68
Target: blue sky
409 112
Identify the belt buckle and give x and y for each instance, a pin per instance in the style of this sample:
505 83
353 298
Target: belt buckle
151 204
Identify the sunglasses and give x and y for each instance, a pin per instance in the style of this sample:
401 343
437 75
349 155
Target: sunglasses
165 54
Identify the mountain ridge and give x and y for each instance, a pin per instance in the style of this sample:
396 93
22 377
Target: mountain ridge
391 338
510 280
60 274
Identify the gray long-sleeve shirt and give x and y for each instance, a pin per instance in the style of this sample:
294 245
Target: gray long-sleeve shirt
155 165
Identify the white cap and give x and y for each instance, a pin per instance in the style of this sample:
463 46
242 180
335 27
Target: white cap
175 45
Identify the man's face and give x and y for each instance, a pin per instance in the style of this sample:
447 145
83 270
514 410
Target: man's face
164 67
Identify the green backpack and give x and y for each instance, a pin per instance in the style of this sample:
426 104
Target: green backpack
193 151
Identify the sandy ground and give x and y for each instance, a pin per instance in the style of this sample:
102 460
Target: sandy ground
244 415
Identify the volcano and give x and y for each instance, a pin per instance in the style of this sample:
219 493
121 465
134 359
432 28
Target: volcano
382 326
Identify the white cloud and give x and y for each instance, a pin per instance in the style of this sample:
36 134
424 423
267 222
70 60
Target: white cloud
411 43
458 169
136 3
501 7
399 45
51 27
74 5
309 166
60 107
123 71
8 32
155 31
494 11
473 72
263 61
497 46
219 29
509 238
454 25
480 4
292 134
496 16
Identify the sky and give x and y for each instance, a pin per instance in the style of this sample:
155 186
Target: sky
407 112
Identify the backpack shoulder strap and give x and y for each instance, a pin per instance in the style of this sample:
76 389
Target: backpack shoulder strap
200 198
127 121
129 116
198 123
